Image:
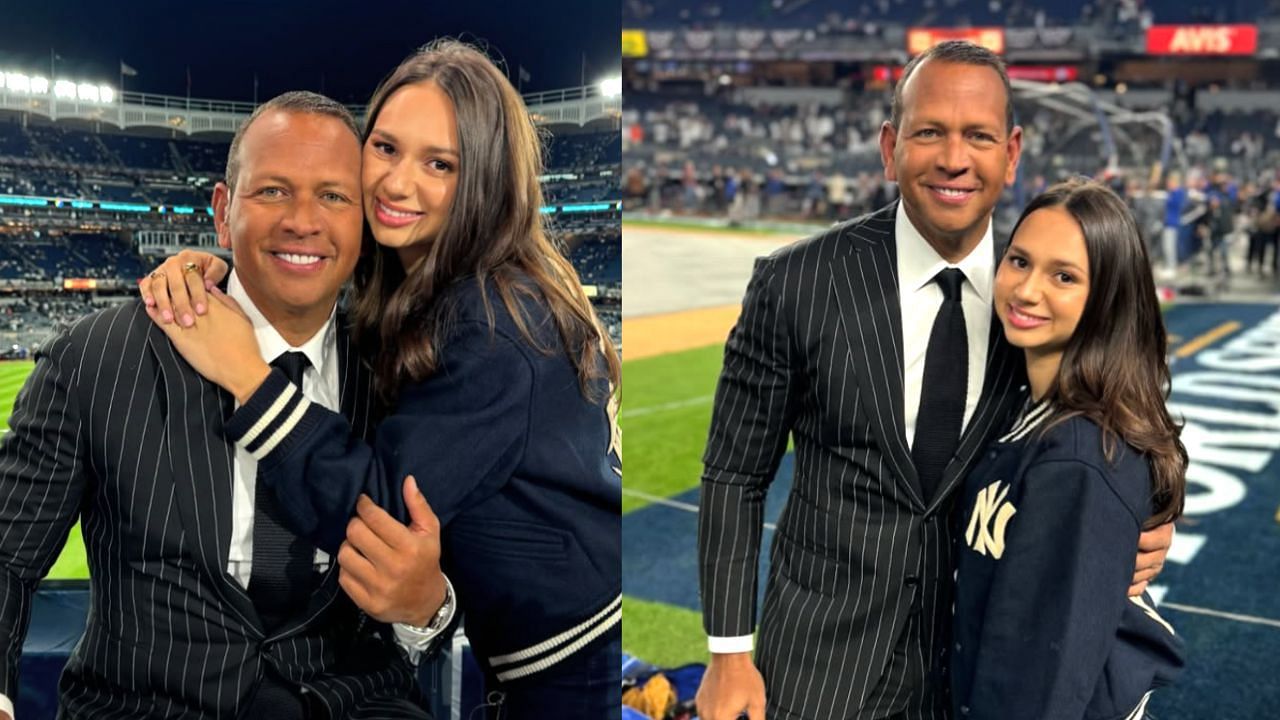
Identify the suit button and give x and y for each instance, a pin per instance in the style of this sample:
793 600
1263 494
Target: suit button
911 581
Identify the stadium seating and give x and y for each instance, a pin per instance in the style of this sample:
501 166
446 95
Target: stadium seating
599 259
580 151
954 13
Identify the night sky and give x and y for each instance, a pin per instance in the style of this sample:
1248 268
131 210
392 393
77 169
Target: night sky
340 48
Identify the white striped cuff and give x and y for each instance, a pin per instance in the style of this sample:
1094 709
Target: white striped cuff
526 662
279 417
272 411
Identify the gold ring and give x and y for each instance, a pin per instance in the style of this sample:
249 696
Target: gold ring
190 267
157 274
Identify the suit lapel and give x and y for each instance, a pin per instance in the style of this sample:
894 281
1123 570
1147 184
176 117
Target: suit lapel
865 281
202 466
355 379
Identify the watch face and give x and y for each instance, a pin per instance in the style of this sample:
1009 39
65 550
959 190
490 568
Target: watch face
446 609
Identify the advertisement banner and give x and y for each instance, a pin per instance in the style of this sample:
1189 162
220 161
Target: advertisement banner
1202 39
921 39
634 44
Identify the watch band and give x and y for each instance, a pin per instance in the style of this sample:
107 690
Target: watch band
439 620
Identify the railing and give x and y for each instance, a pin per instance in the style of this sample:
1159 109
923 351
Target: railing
578 105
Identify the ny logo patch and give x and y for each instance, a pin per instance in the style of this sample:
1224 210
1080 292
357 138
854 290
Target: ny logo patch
991 515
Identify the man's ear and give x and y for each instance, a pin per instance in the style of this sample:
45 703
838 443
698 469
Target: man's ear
888 141
221 212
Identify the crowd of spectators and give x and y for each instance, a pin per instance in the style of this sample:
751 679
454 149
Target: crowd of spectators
721 157
841 15
49 160
29 319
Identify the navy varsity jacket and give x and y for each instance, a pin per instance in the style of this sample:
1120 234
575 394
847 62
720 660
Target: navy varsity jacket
522 470
1044 629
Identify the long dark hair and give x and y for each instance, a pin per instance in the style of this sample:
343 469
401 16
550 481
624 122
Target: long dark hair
494 234
1115 368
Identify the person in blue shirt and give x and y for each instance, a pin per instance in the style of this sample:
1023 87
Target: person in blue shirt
1050 518
498 375
1174 205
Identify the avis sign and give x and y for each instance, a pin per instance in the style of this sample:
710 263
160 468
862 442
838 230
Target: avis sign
1202 39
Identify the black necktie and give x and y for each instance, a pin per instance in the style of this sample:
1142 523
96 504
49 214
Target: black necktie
946 383
280 581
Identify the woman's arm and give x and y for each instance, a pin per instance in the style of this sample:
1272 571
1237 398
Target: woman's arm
461 433
1057 595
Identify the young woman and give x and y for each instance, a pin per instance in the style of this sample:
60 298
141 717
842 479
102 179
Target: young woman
499 376
1051 516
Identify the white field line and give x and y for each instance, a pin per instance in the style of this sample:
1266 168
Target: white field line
687 507
664 407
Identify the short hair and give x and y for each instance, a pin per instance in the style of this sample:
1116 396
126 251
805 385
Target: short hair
296 101
960 52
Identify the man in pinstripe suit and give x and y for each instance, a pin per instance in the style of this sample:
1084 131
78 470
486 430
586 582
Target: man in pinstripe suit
115 430
830 350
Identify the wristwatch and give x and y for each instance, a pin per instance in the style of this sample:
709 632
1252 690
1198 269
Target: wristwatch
441 619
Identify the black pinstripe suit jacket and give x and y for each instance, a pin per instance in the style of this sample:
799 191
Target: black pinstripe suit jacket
817 355
114 429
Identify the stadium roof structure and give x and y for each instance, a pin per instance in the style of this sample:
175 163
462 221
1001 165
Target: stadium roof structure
63 99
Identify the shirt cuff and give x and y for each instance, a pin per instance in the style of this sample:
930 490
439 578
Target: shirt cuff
728 645
416 640
6 705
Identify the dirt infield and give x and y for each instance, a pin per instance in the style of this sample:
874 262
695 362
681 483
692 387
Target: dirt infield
672 332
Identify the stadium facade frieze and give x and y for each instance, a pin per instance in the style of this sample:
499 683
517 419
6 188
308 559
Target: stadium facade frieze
190 116
886 44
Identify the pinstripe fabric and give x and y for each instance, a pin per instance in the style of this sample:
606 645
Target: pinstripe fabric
114 429
859 554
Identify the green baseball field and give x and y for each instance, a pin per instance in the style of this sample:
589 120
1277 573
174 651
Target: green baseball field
72 564
666 412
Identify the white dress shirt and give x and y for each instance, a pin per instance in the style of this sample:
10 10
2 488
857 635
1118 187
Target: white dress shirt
921 298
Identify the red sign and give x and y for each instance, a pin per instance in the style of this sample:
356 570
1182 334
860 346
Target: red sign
921 39
1202 39
1035 73
1044 73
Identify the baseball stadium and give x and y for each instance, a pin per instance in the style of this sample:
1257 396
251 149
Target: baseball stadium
748 126
107 167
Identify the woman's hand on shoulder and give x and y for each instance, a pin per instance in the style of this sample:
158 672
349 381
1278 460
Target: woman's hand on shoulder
222 347
178 290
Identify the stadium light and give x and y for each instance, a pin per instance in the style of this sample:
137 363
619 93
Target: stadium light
40 85
64 89
106 94
611 87
17 82
87 92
